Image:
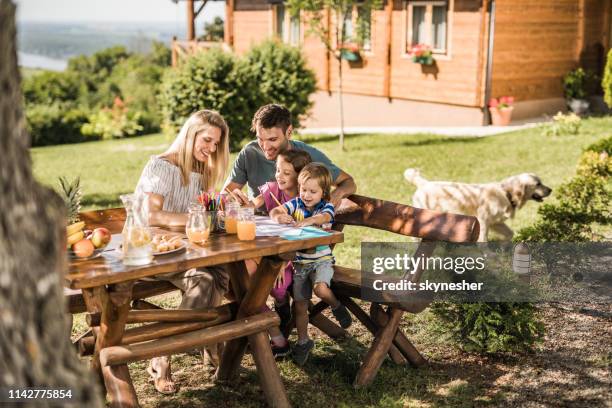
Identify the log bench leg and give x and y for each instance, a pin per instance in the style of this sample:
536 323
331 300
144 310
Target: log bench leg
380 347
372 326
400 341
113 305
269 375
319 321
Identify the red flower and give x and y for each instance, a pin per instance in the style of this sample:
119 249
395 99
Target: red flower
503 102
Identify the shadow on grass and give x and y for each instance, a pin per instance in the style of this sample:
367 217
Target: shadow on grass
441 141
101 201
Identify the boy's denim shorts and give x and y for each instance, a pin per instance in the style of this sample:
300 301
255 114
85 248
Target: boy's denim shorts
307 275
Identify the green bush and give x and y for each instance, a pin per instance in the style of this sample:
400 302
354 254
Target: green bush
283 76
606 84
210 80
578 84
115 122
563 125
603 146
491 327
94 70
49 87
237 86
583 202
54 124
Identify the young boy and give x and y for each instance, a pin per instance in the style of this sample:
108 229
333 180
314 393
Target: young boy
314 268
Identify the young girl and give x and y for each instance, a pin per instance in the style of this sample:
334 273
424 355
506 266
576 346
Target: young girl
313 269
288 166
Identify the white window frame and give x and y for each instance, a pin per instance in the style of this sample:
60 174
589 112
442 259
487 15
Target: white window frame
286 26
440 54
354 16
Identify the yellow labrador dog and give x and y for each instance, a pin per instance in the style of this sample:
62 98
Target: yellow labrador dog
491 203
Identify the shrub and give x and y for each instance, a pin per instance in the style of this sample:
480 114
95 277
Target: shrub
563 125
236 87
95 69
49 87
603 146
491 327
210 80
578 84
54 124
115 122
585 200
283 76
606 84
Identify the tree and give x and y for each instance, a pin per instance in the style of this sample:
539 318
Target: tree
334 34
35 350
214 31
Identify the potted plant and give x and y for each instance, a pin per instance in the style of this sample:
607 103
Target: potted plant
501 110
350 52
575 89
422 54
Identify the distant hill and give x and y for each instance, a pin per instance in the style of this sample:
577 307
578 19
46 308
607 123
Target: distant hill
65 40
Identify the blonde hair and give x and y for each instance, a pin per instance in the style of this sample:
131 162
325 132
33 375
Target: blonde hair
213 171
319 173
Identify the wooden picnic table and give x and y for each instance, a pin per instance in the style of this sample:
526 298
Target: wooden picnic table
107 285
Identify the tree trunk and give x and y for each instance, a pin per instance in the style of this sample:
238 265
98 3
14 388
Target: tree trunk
341 104
35 349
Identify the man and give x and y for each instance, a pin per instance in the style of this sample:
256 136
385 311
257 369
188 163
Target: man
255 164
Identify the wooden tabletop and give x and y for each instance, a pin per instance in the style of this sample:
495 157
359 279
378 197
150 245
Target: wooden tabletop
220 249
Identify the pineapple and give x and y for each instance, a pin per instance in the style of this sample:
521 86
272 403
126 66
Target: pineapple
71 193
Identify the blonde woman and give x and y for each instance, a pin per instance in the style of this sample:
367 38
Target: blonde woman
196 160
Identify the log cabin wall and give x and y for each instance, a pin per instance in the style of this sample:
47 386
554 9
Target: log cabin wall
453 80
538 42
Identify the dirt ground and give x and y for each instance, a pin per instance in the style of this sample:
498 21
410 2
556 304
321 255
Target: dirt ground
571 368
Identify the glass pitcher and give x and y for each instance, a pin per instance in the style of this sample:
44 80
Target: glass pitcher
198 227
246 224
137 249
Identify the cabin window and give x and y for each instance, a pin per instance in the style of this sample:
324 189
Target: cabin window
286 27
351 23
294 30
427 24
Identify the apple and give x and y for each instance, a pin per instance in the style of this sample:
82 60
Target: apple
100 237
83 248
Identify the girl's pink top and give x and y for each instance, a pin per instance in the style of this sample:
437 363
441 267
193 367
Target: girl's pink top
269 189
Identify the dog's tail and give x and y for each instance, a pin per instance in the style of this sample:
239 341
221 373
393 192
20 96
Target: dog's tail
414 176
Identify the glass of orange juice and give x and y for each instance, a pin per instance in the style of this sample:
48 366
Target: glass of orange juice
246 224
232 212
197 228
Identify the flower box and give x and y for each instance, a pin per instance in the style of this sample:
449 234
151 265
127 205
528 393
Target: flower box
501 110
422 54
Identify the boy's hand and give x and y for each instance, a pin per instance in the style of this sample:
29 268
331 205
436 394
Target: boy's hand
305 223
284 219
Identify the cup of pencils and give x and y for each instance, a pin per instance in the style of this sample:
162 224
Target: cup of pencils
214 203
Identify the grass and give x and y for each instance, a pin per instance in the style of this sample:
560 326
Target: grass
377 162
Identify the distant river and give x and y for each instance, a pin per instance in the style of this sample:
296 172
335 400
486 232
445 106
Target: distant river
40 61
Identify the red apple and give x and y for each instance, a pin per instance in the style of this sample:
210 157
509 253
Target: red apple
83 248
100 237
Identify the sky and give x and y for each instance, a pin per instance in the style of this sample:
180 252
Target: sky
111 10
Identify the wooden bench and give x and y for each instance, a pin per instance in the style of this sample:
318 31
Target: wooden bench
384 319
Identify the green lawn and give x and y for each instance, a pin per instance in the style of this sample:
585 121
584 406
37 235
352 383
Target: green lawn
377 163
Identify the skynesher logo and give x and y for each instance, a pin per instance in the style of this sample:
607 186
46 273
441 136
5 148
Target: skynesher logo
411 264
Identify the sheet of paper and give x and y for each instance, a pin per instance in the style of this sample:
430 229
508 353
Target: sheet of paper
266 227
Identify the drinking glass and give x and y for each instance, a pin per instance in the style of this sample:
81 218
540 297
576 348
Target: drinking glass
246 224
197 227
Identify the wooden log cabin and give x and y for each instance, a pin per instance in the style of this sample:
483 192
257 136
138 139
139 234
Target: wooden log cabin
482 49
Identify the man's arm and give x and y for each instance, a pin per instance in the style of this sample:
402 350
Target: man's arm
345 186
238 178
